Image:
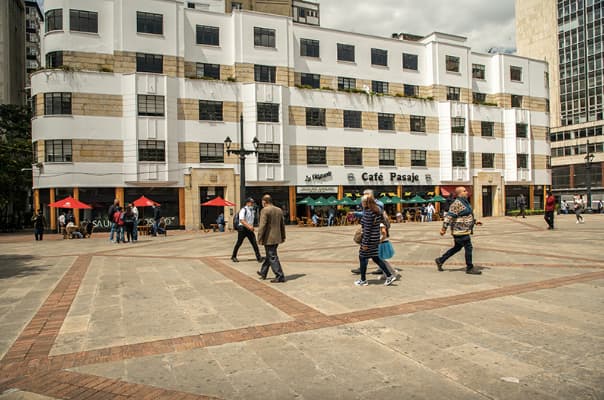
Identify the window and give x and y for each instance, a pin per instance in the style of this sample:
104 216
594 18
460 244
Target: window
515 73
54 20
210 110
83 21
207 35
458 125
379 57
54 59
207 71
236 5
418 158
379 87
487 128
312 80
150 105
387 157
385 122
153 63
316 155
488 160
268 153
516 101
353 119
410 61
346 83
309 48
452 63
417 123
34 152
459 158
151 150
264 37
211 152
267 112
315 117
33 105
478 98
353 156
411 90
522 161
453 93
264 73
57 103
478 71
345 52
149 23
57 150
521 130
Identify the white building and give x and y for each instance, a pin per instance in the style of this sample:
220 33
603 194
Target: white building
141 95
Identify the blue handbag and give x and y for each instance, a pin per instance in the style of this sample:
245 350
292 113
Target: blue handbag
386 251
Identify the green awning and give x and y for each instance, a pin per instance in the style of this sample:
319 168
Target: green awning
438 198
308 201
416 199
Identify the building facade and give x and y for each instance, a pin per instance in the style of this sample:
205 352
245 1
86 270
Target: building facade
138 97
33 22
568 35
12 52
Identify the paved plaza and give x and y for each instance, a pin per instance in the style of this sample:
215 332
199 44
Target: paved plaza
173 317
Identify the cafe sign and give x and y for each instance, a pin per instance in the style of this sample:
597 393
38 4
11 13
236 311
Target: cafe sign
390 176
316 189
318 177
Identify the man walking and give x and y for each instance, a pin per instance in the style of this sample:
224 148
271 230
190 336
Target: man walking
460 218
39 224
550 207
522 206
271 233
245 229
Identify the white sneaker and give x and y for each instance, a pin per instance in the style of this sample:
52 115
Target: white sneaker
389 280
577 222
361 283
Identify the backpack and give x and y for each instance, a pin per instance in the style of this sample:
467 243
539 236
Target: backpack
236 221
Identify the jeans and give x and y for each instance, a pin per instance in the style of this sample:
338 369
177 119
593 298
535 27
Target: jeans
39 233
119 233
135 230
363 261
272 259
578 214
241 235
461 241
549 218
112 232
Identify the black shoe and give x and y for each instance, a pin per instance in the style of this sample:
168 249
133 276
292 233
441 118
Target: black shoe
260 259
439 264
356 271
472 271
278 280
234 259
263 277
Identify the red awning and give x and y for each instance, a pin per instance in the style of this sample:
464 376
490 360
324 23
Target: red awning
218 202
144 202
69 202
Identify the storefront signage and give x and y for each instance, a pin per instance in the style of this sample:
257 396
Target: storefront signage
317 189
394 177
317 177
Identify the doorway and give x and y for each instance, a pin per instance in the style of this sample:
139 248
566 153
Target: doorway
208 215
487 201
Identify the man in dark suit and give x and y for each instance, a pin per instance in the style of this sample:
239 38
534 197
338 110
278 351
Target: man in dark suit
271 233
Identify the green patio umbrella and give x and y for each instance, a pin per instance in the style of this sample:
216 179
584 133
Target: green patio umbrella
308 201
396 200
332 201
346 201
321 201
416 199
438 198
386 200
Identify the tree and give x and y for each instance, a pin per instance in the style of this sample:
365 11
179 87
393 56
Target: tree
15 154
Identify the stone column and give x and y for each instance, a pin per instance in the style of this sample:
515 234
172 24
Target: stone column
53 212
292 204
181 207
76 212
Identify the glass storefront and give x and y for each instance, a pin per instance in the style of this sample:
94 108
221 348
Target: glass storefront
100 199
167 197
280 195
512 194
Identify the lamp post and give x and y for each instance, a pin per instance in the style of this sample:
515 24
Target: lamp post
589 157
242 153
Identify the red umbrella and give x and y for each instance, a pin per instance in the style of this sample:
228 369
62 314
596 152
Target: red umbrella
219 202
69 202
144 202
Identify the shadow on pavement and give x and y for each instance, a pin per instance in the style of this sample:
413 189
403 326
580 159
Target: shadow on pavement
16 265
294 276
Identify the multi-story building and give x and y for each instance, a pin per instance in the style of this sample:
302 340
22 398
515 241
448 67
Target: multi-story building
301 11
33 21
568 35
149 91
12 52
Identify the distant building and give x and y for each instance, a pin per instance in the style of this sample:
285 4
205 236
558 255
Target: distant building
301 11
33 22
12 52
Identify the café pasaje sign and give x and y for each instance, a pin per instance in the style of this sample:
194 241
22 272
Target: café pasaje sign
394 177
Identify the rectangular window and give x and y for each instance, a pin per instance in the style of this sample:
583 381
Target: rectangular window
312 80
149 23
417 123
54 20
209 35
309 48
478 98
268 153
521 130
522 161
207 71
516 101
264 73
345 52
379 87
153 63
346 83
34 105
54 59
387 157
488 160
478 71
236 5
83 21
459 158
385 122
151 150
315 117
411 90
410 61
316 155
150 105
210 110
487 128
353 119
57 151
267 112
418 158
211 152
452 63
379 57
353 156
453 93
515 73
34 152
458 125
264 37
57 103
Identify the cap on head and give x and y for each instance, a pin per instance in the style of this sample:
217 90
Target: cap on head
249 200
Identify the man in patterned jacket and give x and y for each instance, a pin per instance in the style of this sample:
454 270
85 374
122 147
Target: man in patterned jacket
461 220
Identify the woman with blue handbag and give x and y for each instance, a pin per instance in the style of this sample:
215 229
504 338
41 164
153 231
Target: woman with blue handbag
386 250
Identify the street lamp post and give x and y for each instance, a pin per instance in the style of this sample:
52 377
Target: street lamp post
589 157
242 153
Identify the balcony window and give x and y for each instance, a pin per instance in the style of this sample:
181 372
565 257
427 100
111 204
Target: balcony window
57 151
268 153
264 73
521 130
453 93
379 87
267 112
312 80
150 105
316 155
346 83
522 161
478 98
458 158
516 101
54 59
211 152
211 71
54 20
153 63
458 125
151 150
149 23
411 90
